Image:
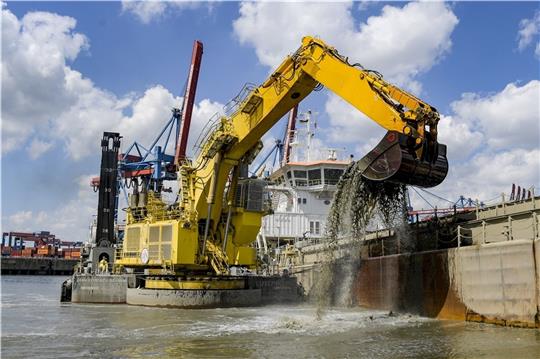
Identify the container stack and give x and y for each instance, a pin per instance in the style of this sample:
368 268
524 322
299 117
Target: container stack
71 253
28 252
46 251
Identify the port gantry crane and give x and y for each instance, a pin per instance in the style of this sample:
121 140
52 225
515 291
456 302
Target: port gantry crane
193 243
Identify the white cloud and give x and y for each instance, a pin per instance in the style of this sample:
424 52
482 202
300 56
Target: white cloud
364 5
349 126
38 147
528 30
153 10
460 139
43 94
35 51
401 42
258 19
21 219
493 141
145 11
489 174
69 221
508 119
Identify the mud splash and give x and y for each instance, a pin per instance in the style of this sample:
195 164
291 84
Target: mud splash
358 206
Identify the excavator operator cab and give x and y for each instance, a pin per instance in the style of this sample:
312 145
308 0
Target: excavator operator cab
252 196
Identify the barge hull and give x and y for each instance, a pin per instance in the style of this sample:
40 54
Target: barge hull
493 283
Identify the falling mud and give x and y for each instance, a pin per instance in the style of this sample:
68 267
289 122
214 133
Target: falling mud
359 205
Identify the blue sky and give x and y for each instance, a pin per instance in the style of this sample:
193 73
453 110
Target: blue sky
97 66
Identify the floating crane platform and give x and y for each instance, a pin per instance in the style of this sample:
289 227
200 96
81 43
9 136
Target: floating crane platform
231 291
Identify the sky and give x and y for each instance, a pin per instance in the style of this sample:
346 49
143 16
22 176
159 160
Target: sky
71 70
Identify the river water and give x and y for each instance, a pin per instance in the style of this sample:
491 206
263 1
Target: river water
36 325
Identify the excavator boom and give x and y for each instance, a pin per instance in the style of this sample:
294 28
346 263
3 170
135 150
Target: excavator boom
420 160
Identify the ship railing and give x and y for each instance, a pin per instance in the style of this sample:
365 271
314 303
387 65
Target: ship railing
331 182
209 128
233 105
158 214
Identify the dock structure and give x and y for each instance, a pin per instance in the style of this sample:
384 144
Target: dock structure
37 265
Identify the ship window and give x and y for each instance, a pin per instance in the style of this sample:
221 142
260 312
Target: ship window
300 174
299 200
289 174
315 227
332 175
314 177
304 200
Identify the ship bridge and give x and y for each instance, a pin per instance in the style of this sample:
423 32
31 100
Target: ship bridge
301 195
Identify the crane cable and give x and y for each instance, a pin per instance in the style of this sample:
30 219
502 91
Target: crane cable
418 193
436 196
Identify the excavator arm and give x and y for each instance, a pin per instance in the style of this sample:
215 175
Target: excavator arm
412 123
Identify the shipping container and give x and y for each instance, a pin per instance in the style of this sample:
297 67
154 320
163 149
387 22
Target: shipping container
28 252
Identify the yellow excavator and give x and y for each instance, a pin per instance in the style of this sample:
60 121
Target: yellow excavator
193 243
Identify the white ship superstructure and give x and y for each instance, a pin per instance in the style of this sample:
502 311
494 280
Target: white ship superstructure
301 189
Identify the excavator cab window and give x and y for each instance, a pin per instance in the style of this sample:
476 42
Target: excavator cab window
251 195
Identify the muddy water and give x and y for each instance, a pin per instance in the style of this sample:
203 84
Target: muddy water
358 205
36 325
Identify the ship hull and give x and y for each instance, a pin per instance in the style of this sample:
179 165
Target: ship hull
494 283
417 283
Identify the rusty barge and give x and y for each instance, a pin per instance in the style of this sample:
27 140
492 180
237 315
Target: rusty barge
481 266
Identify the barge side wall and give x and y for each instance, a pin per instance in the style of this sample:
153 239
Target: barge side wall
495 283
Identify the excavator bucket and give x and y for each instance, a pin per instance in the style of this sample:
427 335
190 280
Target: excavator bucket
395 160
